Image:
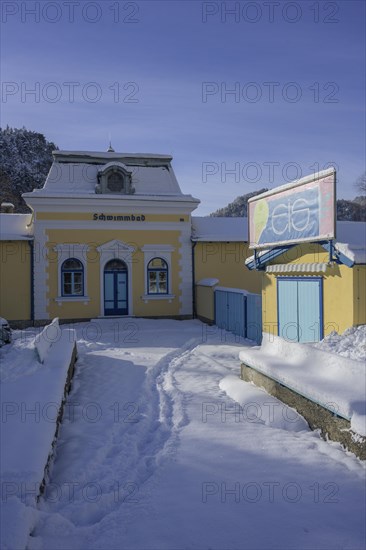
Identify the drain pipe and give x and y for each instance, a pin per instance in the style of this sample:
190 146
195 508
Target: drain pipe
31 246
193 281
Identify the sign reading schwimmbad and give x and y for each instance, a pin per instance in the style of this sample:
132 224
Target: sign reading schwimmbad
299 211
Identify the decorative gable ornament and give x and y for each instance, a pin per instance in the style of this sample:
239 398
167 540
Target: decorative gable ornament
114 178
115 249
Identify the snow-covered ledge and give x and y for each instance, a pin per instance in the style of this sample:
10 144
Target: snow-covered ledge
208 282
327 389
42 388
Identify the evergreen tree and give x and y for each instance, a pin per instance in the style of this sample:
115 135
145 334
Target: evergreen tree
25 160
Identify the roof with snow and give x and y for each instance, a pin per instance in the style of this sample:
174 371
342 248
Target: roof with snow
219 229
15 227
76 173
349 246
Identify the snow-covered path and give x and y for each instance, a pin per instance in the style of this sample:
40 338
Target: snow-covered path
153 453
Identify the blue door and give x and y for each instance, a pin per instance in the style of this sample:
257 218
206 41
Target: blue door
254 317
230 311
236 313
221 305
299 303
115 288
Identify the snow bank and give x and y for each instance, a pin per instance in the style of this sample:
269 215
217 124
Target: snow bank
31 400
351 344
355 253
335 382
256 405
49 335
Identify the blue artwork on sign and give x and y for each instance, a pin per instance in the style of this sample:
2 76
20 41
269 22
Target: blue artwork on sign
291 217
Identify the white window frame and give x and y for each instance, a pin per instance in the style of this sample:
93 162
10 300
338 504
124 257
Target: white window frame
163 251
65 252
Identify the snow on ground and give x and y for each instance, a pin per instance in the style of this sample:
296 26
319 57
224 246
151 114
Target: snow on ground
351 344
154 454
31 395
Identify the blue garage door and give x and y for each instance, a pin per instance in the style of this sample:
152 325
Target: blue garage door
240 314
230 311
299 302
254 317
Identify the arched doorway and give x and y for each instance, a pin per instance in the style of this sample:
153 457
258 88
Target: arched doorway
115 288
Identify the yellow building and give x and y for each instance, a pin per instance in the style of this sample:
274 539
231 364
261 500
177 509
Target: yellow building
310 289
111 235
220 248
16 252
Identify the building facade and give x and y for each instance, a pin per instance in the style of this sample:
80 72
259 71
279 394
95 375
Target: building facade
312 288
110 234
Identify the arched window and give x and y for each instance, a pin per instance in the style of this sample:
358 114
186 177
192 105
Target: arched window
157 276
116 178
72 278
115 265
116 182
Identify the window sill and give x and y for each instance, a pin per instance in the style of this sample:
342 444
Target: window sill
147 297
61 299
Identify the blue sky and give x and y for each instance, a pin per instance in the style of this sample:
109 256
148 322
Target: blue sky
241 94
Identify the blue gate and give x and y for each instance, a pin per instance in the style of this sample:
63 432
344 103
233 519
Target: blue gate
239 313
300 312
230 311
254 317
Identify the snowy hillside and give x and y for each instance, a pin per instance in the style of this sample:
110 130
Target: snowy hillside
347 210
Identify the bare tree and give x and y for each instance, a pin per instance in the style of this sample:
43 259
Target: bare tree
361 183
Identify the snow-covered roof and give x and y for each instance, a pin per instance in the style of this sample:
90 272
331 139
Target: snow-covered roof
208 281
75 173
14 227
217 229
351 241
71 156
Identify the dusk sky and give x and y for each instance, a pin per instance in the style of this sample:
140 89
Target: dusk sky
242 94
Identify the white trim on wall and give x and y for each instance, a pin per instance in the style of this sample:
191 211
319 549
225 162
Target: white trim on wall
41 301
185 263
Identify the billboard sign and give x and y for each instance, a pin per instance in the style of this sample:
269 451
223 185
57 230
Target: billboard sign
304 210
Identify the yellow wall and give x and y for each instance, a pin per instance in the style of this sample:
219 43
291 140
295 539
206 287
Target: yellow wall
95 238
338 299
269 303
205 302
15 280
343 290
359 294
225 261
